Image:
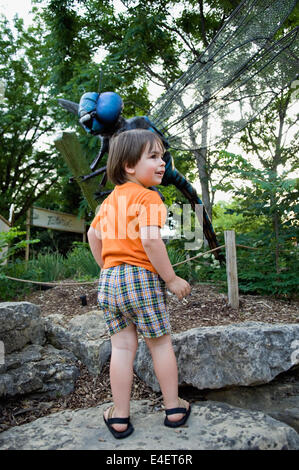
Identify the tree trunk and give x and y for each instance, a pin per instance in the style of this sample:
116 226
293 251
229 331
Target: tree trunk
201 159
276 218
276 224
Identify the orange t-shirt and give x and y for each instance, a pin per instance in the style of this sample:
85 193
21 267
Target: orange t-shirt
129 207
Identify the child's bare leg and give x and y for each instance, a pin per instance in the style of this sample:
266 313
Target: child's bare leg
124 346
165 366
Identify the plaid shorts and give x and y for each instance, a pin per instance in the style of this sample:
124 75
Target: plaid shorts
130 294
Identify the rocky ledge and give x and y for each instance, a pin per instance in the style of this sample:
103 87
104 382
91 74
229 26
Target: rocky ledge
230 364
211 426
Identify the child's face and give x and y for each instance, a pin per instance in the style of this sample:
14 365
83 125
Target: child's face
150 168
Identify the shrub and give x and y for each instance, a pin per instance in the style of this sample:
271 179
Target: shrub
13 243
80 263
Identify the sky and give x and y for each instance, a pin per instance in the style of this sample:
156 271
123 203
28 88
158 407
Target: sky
21 7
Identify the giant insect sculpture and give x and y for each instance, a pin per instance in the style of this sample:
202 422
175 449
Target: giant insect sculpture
233 80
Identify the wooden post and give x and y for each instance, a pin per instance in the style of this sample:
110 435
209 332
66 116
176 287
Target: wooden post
27 233
231 268
71 150
5 226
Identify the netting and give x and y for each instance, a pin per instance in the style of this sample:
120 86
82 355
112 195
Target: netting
235 78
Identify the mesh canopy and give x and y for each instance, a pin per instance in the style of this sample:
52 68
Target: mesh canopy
235 78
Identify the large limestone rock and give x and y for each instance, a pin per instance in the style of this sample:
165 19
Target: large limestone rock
279 398
84 335
40 354
41 370
211 426
20 324
242 354
29 365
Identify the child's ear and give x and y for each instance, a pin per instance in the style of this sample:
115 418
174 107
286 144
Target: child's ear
129 170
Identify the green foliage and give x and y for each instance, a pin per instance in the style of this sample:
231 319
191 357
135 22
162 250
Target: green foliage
208 269
8 242
176 256
11 244
257 270
227 217
28 167
265 210
13 290
257 274
80 263
48 267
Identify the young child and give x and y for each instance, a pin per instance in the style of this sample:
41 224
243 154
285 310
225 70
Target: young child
125 241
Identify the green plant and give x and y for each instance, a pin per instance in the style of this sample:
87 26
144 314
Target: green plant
176 255
80 263
48 267
257 270
11 244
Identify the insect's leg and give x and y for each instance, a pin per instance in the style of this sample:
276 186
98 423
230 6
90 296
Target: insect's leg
173 176
104 149
93 174
103 180
98 194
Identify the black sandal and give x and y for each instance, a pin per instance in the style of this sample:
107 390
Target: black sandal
110 421
172 411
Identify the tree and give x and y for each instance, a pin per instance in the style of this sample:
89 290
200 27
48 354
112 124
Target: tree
29 165
144 43
268 137
266 186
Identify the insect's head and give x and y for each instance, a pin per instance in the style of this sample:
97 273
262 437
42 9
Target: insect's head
99 112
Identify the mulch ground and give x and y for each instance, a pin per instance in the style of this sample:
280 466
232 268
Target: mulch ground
206 306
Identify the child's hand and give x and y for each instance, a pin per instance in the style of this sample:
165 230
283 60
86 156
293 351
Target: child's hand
179 287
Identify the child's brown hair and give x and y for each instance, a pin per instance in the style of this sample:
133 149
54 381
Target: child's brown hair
126 148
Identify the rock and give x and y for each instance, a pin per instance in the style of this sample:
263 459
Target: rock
50 370
279 398
20 324
84 335
211 426
31 365
228 363
239 354
37 369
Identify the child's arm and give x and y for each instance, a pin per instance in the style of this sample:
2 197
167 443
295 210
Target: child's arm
95 244
156 251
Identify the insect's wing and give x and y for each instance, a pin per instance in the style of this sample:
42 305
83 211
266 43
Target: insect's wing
69 106
72 107
229 84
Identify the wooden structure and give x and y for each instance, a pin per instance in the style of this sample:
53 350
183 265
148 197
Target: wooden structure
4 227
71 150
231 268
54 220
